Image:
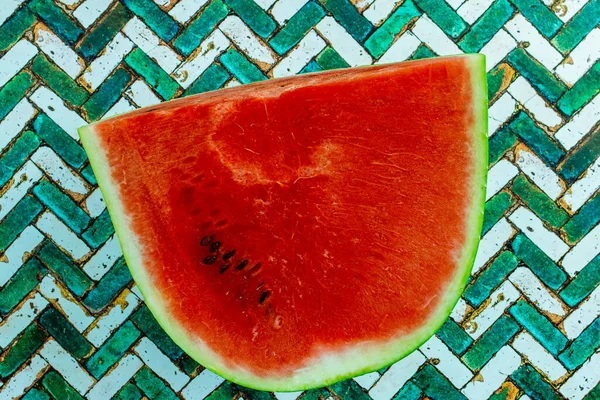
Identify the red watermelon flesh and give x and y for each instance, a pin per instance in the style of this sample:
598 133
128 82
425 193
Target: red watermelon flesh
291 233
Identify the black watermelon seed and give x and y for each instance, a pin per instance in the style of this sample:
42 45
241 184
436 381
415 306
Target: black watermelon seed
210 260
264 296
224 268
242 265
215 247
206 241
227 256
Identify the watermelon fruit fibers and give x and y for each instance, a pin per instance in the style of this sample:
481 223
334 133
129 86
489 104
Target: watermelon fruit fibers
292 233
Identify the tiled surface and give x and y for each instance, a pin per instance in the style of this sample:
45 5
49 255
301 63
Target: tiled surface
72 323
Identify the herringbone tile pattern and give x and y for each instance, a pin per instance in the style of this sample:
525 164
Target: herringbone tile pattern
72 322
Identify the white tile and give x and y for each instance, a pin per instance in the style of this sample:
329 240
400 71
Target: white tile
430 34
492 242
583 252
583 315
500 112
60 234
459 312
90 10
17 188
150 44
185 9
343 42
489 312
58 51
396 376
202 385
536 292
62 299
307 49
565 11
232 83
521 90
583 380
8 8
20 318
581 58
493 374
94 204
572 132
120 107
45 158
122 307
22 380
471 10
539 47
379 10
18 253
367 381
455 3
538 172
265 4
67 366
497 48
499 176
141 94
114 380
15 121
161 364
56 109
15 59
534 229
449 365
401 50
283 10
189 71
287 395
244 39
104 259
97 72
581 191
538 356
136 290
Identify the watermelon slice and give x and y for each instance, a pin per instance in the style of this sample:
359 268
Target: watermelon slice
292 233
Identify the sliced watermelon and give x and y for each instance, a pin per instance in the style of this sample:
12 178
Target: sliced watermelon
292 233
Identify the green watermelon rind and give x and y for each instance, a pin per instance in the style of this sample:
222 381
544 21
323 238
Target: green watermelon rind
372 357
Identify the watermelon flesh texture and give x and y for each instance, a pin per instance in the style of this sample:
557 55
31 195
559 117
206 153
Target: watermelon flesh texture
292 233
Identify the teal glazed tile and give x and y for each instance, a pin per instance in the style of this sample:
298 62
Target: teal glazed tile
240 67
159 21
257 20
58 81
491 341
200 27
539 77
23 282
14 27
12 358
583 221
454 336
435 385
108 287
63 144
17 220
112 350
545 269
57 20
17 154
96 39
14 91
582 347
354 22
578 27
107 94
155 76
384 35
533 384
144 319
490 278
495 208
487 26
539 15
297 27
75 279
213 78
443 16
330 59
65 333
99 230
539 326
580 159
58 387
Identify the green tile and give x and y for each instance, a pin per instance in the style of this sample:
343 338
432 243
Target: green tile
311 67
240 67
435 385
60 141
112 350
17 220
150 384
96 39
16 155
498 79
582 222
57 80
129 392
349 17
584 283
578 27
422 52
21 350
500 143
545 269
57 20
539 15
349 390
524 127
61 205
297 27
13 91
583 91
254 16
107 94
154 75
539 326
594 394
490 278
99 231
537 75
58 387
213 78
409 391
580 159
454 336
36 394
487 26
532 383
144 319
24 281
582 347
157 20
539 202
330 59
108 287
200 27
443 16
88 174
167 394
484 349
188 364
495 209
65 334
75 279
229 391
14 27
383 37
